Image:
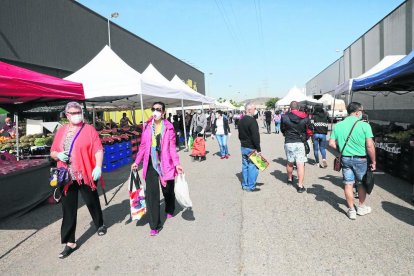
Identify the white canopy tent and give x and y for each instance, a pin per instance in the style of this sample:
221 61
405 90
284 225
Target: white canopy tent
346 87
295 94
108 81
177 83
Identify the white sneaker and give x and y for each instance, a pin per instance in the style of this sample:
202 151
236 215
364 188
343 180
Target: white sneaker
351 214
363 210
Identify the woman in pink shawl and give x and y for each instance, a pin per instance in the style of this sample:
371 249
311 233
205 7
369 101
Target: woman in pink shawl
161 165
78 148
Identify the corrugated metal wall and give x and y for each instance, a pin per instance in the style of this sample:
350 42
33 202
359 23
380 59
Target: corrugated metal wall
60 36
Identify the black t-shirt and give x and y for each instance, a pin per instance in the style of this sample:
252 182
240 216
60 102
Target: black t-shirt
268 115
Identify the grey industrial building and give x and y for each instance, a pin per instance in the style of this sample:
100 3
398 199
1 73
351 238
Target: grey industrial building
57 37
393 35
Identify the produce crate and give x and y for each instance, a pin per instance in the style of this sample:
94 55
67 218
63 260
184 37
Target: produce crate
109 167
110 148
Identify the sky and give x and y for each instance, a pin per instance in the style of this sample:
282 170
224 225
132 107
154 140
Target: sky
249 48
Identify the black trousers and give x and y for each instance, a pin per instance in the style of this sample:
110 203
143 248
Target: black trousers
70 210
152 197
268 124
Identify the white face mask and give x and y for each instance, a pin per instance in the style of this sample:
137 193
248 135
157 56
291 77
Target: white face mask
76 119
156 115
199 112
255 112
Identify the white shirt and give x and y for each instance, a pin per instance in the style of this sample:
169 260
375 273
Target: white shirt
220 126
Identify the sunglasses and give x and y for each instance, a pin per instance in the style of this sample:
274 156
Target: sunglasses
157 109
74 113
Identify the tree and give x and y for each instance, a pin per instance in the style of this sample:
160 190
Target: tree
271 102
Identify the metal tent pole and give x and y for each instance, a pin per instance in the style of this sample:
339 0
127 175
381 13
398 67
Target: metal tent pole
185 131
142 111
333 112
16 119
94 115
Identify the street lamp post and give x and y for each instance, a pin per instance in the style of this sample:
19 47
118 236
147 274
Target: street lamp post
209 83
113 15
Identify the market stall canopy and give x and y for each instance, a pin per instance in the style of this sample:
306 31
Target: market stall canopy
111 84
107 77
154 83
399 76
346 87
179 84
228 105
23 87
296 94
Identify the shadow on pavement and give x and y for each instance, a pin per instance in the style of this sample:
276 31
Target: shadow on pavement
321 194
396 186
188 214
113 214
281 176
333 179
399 212
280 161
240 177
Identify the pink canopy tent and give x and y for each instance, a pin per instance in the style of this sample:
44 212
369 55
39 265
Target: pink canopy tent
19 85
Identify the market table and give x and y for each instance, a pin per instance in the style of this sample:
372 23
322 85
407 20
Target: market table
22 190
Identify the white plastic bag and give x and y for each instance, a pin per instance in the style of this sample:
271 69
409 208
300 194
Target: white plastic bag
181 191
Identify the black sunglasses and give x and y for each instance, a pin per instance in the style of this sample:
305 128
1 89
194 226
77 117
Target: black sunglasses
74 113
158 109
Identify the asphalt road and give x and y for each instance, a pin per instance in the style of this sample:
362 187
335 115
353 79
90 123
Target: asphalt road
275 231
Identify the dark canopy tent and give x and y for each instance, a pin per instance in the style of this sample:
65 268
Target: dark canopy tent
397 78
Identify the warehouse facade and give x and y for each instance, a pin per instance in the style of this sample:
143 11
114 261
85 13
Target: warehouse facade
58 37
393 35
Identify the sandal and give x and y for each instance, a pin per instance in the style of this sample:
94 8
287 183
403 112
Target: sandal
67 251
102 230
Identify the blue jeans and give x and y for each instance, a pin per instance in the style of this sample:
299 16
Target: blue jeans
277 126
319 143
354 169
222 141
249 170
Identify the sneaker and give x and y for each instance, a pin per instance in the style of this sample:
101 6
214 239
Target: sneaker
351 214
301 189
363 210
102 230
290 181
169 216
227 156
153 233
356 195
222 157
325 164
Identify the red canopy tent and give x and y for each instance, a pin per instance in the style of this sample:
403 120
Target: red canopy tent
23 89
23 86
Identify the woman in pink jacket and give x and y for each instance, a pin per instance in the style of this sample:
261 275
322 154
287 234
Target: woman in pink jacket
161 164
